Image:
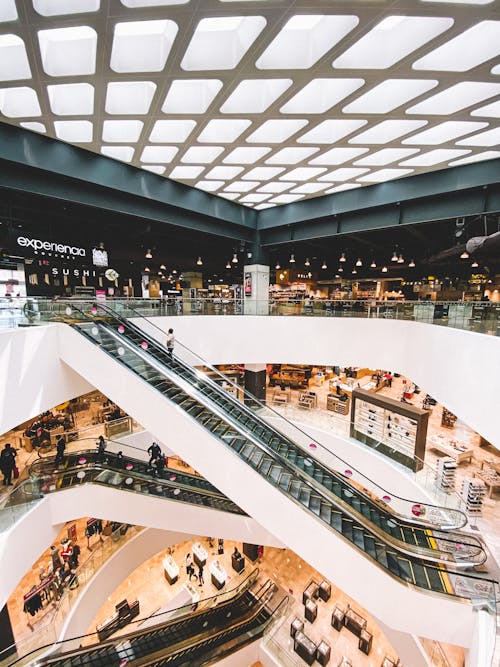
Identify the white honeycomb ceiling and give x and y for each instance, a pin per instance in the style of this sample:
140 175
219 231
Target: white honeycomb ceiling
264 102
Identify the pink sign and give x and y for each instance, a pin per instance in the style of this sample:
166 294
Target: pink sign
416 509
129 466
121 328
82 460
144 345
348 473
386 499
312 445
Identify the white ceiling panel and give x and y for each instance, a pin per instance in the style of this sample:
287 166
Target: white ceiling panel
289 95
286 199
242 186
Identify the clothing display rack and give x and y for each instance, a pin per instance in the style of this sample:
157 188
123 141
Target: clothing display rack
445 473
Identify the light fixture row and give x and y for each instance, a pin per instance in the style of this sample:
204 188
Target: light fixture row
397 258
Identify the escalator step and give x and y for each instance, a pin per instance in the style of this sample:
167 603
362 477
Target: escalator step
370 546
420 577
327 482
304 495
275 472
247 451
435 579
315 504
285 480
409 535
381 554
358 537
295 487
336 521
256 457
347 529
406 569
265 465
325 512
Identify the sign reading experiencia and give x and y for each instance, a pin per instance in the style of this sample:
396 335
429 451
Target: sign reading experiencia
37 245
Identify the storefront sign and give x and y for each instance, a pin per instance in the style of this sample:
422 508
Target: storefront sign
38 246
248 284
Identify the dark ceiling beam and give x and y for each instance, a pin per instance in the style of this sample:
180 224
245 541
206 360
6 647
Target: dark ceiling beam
62 171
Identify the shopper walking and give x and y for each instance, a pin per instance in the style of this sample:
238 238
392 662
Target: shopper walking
170 342
154 452
201 581
101 448
7 463
61 448
160 465
189 566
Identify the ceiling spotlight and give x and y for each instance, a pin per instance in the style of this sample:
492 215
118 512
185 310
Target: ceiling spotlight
373 264
174 271
359 262
394 257
292 258
342 257
307 262
464 255
163 267
411 264
340 269
354 271
228 265
277 267
401 259
324 266
148 255
199 261
474 265
235 259
337 275
384 269
147 269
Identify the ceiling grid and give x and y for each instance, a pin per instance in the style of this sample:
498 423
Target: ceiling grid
353 98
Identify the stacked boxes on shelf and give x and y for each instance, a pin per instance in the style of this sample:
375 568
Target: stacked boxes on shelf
445 473
473 491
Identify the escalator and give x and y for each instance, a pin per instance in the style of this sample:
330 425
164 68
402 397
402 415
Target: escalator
207 634
403 546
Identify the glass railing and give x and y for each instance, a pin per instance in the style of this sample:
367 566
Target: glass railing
476 316
307 482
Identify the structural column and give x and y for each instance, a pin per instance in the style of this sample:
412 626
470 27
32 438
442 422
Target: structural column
255 380
255 289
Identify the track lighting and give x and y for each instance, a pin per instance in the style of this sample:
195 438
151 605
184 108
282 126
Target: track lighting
373 264
148 255
342 257
199 261
163 267
324 265
464 255
401 259
228 265
359 262
411 264
235 259
384 269
394 257
292 258
307 262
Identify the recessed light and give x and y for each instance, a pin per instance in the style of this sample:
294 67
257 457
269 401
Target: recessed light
255 95
478 157
389 95
343 174
386 156
490 110
19 102
59 7
386 131
223 130
181 173
342 188
129 97
8 11
275 187
71 99
434 157
78 131
224 173
330 131
275 131
153 168
383 175
302 174
209 186
14 62
142 46
444 132
338 155
122 131
262 173
320 95
35 127
123 153
488 138
171 131
241 186
286 199
202 154
455 98
156 154
152 3
246 155
291 155
309 188
68 51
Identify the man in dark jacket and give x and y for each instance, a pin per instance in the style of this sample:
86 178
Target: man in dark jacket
7 463
61 447
154 452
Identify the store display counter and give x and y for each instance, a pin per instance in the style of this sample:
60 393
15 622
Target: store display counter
491 480
218 574
453 449
305 647
171 570
200 554
191 590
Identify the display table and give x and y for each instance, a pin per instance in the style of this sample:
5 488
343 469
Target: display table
323 653
458 451
238 563
297 625
171 570
311 611
310 592
354 622
218 574
491 479
304 647
200 554
338 618
193 593
325 590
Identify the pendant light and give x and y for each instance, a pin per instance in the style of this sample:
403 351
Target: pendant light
174 271
394 257
337 275
359 262
340 269
147 269
307 262
292 258
401 259
342 257
148 255
235 259
464 255
384 269
163 267
354 271
411 264
199 261
278 266
324 265
373 264
228 265
474 265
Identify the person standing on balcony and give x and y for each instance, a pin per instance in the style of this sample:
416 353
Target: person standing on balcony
8 463
170 342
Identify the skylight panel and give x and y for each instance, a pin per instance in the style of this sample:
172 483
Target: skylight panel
488 138
455 98
34 127
276 131
309 188
342 188
263 173
490 110
78 131
291 155
444 132
255 95
320 95
496 69
8 11
132 4
383 175
461 2
242 186
171 131
221 42
391 40
386 156
223 130
387 131
153 168
478 157
229 195
181 173
14 63
479 43
343 174
58 7
202 154
142 46
158 153
276 187
254 198
122 153
191 95
302 173
286 199
262 207
389 95
68 51
19 102
209 186
338 155
71 99
330 131
304 39
120 131
129 97
224 173
434 157
246 155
